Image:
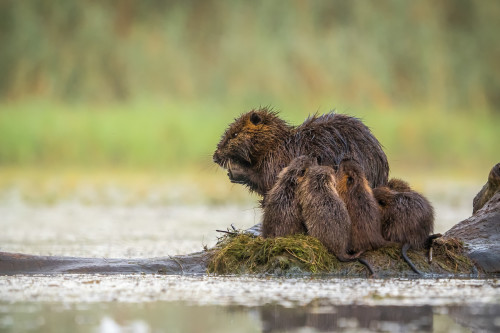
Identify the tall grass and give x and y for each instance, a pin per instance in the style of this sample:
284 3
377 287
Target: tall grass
172 137
151 85
382 54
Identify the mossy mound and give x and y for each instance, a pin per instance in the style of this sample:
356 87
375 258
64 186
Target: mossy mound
243 253
448 257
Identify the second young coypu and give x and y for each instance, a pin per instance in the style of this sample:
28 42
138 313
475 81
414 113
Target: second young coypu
399 185
407 216
282 216
324 213
259 144
354 190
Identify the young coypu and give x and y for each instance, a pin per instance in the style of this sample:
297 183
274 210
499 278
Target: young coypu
258 145
324 213
399 185
282 216
353 188
407 218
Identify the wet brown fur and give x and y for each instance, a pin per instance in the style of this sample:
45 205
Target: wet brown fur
399 185
407 216
325 214
282 216
259 144
354 190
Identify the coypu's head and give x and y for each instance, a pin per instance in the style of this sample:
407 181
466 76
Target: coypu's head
248 139
398 185
298 167
384 196
319 176
351 177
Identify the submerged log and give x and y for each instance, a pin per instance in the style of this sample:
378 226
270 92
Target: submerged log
481 231
16 263
480 234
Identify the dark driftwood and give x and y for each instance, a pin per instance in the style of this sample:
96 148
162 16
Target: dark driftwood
15 263
480 233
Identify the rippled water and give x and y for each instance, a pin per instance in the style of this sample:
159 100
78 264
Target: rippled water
155 303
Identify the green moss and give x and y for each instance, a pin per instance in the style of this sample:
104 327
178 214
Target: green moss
243 253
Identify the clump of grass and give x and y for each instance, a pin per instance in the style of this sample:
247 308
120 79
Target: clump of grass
244 253
448 258
241 253
451 255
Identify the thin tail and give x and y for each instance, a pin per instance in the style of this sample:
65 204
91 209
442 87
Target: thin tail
368 266
355 257
405 248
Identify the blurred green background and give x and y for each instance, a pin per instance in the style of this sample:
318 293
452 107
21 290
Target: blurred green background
144 88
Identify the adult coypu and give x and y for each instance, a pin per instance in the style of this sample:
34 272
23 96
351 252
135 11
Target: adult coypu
259 144
407 218
353 188
282 216
324 213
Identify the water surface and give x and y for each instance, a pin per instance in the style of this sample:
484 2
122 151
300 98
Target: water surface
160 303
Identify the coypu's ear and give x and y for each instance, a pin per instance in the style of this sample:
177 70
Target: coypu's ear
255 118
319 160
350 180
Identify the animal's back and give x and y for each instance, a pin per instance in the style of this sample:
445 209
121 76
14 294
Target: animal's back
407 216
334 137
325 215
364 212
282 216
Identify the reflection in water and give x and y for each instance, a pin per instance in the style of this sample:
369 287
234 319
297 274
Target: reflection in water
335 318
480 318
183 317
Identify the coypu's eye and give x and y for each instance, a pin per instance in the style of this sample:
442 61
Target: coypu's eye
235 135
350 180
382 203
